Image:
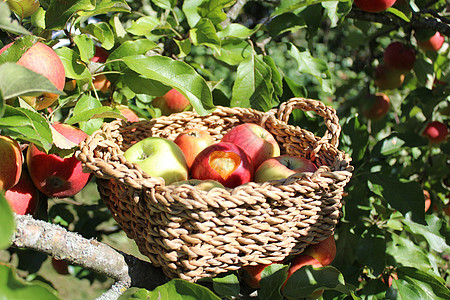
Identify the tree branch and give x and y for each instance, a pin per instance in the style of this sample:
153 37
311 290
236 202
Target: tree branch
127 270
234 12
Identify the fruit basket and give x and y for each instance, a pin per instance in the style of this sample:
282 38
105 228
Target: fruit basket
192 233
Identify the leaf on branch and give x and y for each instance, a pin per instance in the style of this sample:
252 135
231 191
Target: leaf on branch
9 25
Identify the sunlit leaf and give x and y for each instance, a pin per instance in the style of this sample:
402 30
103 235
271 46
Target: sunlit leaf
7 24
7 222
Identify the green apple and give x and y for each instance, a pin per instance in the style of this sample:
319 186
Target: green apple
159 157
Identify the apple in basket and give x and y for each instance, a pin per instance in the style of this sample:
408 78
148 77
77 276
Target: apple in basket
255 140
192 142
204 185
281 167
225 162
159 157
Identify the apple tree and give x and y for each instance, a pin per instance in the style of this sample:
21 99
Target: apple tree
385 71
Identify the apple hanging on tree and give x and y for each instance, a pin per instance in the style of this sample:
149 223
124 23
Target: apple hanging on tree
387 78
433 43
379 108
11 160
24 196
171 102
374 5
399 57
436 132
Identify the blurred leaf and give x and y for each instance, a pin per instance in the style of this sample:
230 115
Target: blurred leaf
27 125
7 222
424 71
16 80
337 10
165 4
102 32
292 5
177 289
8 24
15 288
190 9
253 86
359 137
416 284
389 145
59 12
272 277
184 46
85 47
398 13
73 65
176 74
205 34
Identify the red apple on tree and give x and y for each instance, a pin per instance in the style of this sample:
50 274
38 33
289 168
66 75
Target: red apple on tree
324 252
23 8
56 176
399 57
11 160
100 55
192 142
387 78
281 167
172 102
434 43
41 59
255 140
427 196
379 108
128 113
374 5
225 162
24 196
436 132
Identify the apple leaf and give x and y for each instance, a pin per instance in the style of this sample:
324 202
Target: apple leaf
106 6
141 85
73 65
226 286
143 25
214 10
176 74
233 51
59 12
18 48
272 277
253 86
84 104
288 22
98 112
237 31
16 80
416 284
205 34
177 289
129 48
7 222
28 125
85 47
16 288
190 9
292 5
102 32
9 25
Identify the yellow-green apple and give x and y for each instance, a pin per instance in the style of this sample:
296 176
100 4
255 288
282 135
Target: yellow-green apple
255 140
23 8
128 113
399 57
297 263
379 108
159 157
172 102
374 5
57 176
11 160
192 142
387 78
324 252
436 132
251 275
60 266
204 185
433 43
281 167
24 196
225 162
41 59
427 196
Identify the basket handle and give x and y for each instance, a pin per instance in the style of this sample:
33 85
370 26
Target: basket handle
326 112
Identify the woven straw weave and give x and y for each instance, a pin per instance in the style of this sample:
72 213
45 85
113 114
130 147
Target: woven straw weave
192 233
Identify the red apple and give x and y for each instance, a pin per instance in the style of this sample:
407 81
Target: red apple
434 43
56 176
374 5
128 113
192 142
281 167
172 102
324 252
101 83
251 275
60 266
379 108
399 57
297 263
255 140
24 196
436 132
41 59
225 162
427 196
11 160
390 279
100 55
23 8
387 78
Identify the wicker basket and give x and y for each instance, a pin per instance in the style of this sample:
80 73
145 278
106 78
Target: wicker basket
192 233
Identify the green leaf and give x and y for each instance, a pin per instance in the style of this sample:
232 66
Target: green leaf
234 51
237 31
415 284
311 65
272 277
7 222
337 10
398 13
143 25
205 34
85 47
8 24
359 137
165 4
129 48
177 289
213 10
190 9
98 112
287 22
176 74
102 32
184 46
15 288
92 122
59 12
253 86
226 286
371 250
389 145
27 125
73 64
18 48
16 80
141 85
430 231
292 5
105 7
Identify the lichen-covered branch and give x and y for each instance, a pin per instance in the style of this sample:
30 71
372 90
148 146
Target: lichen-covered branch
126 270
